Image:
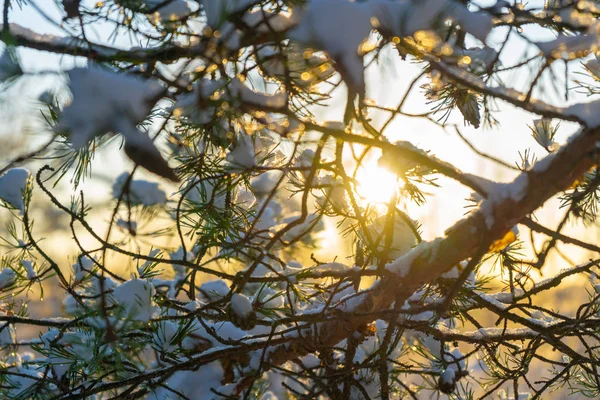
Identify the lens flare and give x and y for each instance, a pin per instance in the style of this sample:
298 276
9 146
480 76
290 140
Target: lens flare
375 184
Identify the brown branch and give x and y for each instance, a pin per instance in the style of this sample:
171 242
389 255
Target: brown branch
402 152
461 241
534 226
512 96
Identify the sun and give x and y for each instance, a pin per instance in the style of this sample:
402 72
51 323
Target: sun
376 184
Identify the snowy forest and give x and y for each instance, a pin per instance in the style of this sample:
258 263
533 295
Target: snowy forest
299 199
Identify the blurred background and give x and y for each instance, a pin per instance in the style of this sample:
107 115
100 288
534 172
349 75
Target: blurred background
24 128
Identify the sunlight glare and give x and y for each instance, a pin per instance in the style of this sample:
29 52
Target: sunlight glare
376 184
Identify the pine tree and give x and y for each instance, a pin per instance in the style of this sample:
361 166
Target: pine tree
250 131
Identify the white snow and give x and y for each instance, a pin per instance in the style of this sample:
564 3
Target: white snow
399 166
193 305
503 395
340 27
499 192
140 191
208 91
587 113
269 395
241 305
455 272
164 334
242 156
7 278
494 333
71 306
311 361
214 290
203 90
265 182
9 67
12 185
352 301
29 268
567 47
82 267
78 344
269 298
456 359
306 158
105 101
179 269
544 163
204 193
541 319
448 377
264 22
492 300
238 90
217 11
402 265
30 375
244 197
579 15
107 286
267 220
334 193
69 42
305 161
425 316
135 297
332 267
8 335
153 253
192 384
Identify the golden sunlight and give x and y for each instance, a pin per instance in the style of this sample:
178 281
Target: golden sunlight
376 184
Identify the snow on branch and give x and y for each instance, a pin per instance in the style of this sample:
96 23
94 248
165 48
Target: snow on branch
325 23
426 263
105 101
289 261
584 113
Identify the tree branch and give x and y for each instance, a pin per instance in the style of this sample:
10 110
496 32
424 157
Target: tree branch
549 176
